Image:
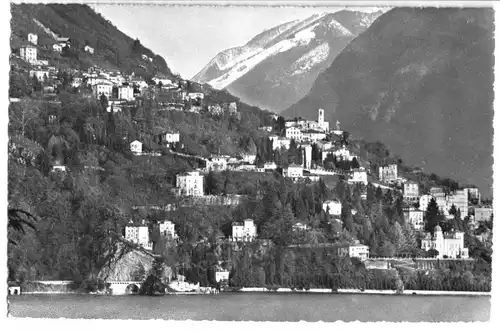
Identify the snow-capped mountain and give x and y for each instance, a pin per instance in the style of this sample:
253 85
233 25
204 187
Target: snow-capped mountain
278 67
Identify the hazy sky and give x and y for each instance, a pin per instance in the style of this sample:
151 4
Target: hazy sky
189 37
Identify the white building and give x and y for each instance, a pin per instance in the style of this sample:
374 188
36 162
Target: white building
221 275
359 176
293 171
332 207
102 89
460 199
424 202
57 48
414 217
216 164
388 173
171 137
280 142
312 135
411 191
195 95
249 158
299 227
322 124
33 38
473 193
136 147
307 156
126 92
246 231
137 233
89 49
357 250
293 133
167 228
190 184
483 213
28 53
340 154
448 244
270 166
41 75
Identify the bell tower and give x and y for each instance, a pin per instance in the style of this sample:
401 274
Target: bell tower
321 116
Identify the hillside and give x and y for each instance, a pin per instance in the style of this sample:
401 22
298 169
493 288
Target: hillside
278 67
113 49
421 81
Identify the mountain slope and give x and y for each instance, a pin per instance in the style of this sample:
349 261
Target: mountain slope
421 81
277 67
113 49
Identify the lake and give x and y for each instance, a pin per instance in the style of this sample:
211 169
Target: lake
256 307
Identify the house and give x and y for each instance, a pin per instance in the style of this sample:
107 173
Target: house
144 57
88 49
216 163
473 193
245 231
14 288
167 228
332 207
138 233
195 96
221 275
136 147
483 213
424 202
103 88
266 128
170 137
299 227
126 93
270 166
313 135
293 133
249 158
449 244
40 74
359 176
190 184
414 217
280 142
340 154
460 199
33 38
28 53
58 168
64 42
411 191
232 108
293 171
356 250
57 48
388 173
306 156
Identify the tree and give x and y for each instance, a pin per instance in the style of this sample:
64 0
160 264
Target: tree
18 219
104 101
354 163
397 237
432 216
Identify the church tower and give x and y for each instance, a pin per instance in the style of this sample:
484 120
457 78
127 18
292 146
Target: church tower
321 117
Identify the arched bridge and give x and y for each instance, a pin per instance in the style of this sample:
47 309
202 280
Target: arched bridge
124 287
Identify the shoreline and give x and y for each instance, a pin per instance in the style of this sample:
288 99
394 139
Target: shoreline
408 292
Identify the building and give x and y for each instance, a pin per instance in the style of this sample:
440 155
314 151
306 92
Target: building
89 49
473 193
28 53
64 41
14 288
144 57
270 166
33 38
293 133
424 202
313 135
460 199
332 207
103 88
190 184
249 158
324 126
280 142
170 137
138 233
195 96
216 164
221 275
299 227
411 191
483 213
245 231
136 147
58 168
40 74
340 154
414 217
356 250
449 244
126 92
359 176
57 48
307 156
167 228
293 171
388 173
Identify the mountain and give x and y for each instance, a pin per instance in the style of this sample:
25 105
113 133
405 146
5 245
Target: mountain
278 67
421 81
113 48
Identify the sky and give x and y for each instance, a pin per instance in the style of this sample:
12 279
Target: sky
188 37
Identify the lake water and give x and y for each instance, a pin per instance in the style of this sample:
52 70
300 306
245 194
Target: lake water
256 307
